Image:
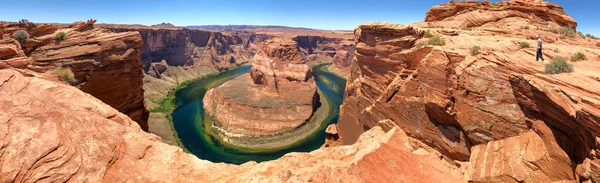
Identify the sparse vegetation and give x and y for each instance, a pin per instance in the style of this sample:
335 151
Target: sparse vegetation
580 34
578 56
475 50
523 44
427 34
563 37
420 44
21 36
567 31
557 66
598 44
468 29
591 36
61 36
436 40
65 74
478 3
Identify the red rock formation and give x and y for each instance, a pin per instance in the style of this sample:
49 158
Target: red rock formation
103 63
470 14
278 95
185 47
479 107
53 132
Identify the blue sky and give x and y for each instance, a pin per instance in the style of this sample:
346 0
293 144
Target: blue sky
322 14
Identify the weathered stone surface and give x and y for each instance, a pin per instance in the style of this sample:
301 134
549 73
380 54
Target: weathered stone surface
106 65
458 102
278 60
42 30
278 95
253 109
55 132
514 13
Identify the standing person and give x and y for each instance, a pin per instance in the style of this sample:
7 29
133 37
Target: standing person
539 54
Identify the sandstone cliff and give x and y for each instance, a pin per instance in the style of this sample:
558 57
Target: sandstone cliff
277 98
105 64
495 109
54 132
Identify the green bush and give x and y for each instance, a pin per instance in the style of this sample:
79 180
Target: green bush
436 40
567 31
557 66
66 74
580 34
21 36
420 44
563 37
474 50
578 56
524 44
61 36
427 34
477 3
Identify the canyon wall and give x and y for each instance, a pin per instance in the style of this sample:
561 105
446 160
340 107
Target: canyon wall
105 64
54 132
495 108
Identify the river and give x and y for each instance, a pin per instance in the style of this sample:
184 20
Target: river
188 116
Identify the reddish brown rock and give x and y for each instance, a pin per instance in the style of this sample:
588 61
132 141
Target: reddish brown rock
515 12
278 95
42 30
458 102
277 61
106 65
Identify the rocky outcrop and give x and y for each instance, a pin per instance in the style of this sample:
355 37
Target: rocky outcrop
279 61
478 108
278 95
344 57
102 62
54 132
515 13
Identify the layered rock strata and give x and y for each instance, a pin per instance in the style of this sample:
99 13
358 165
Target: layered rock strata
105 64
495 109
54 132
510 14
278 95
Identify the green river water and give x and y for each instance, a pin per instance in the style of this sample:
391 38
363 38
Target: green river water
189 114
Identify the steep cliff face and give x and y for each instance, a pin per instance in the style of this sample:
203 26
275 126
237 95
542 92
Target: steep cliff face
53 132
186 47
480 107
105 64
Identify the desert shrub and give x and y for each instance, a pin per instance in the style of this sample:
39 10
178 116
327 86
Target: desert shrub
477 3
523 44
420 44
578 56
557 66
563 37
598 44
21 36
580 34
427 34
468 29
65 74
474 50
61 36
436 40
591 36
567 31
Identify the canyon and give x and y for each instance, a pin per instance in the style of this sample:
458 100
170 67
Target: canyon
414 110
